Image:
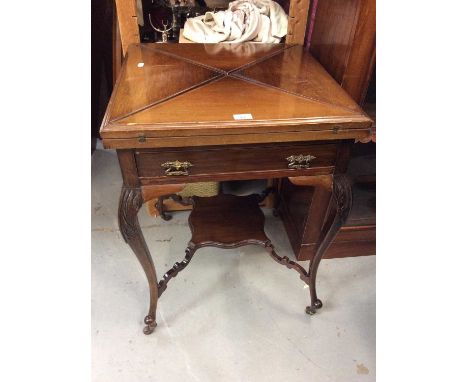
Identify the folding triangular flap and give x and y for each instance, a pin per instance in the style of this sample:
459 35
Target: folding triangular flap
295 70
230 97
150 77
223 57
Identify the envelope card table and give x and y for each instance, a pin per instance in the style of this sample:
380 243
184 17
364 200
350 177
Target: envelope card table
182 113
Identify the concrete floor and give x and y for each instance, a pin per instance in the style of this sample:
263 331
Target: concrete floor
231 315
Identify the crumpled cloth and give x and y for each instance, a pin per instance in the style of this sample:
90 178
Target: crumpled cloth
244 20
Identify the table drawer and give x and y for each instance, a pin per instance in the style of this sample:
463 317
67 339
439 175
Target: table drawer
247 161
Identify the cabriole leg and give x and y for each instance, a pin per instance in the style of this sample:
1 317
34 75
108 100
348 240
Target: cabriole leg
342 199
130 203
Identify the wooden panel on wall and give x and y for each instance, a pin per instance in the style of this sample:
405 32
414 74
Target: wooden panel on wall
343 40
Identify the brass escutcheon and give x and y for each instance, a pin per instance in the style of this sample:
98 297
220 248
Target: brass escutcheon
299 161
176 168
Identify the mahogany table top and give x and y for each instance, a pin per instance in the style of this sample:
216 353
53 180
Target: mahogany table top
175 95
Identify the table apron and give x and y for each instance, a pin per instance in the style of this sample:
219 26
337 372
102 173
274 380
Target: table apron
234 162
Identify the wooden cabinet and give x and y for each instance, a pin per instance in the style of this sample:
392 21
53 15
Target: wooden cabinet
343 41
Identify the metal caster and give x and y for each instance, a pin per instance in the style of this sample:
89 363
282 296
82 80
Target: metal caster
318 304
150 325
313 308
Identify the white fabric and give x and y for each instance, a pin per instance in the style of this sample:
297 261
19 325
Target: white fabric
244 20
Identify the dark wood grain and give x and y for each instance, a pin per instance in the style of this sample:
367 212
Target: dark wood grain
343 41
128 168
174 271
249 161
305 208
303 216
342 204
226 221
130 203
350 241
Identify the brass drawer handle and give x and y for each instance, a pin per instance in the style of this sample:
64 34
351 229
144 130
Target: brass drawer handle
299 161
176 168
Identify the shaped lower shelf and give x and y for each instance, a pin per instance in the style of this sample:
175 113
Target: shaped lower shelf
227 221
